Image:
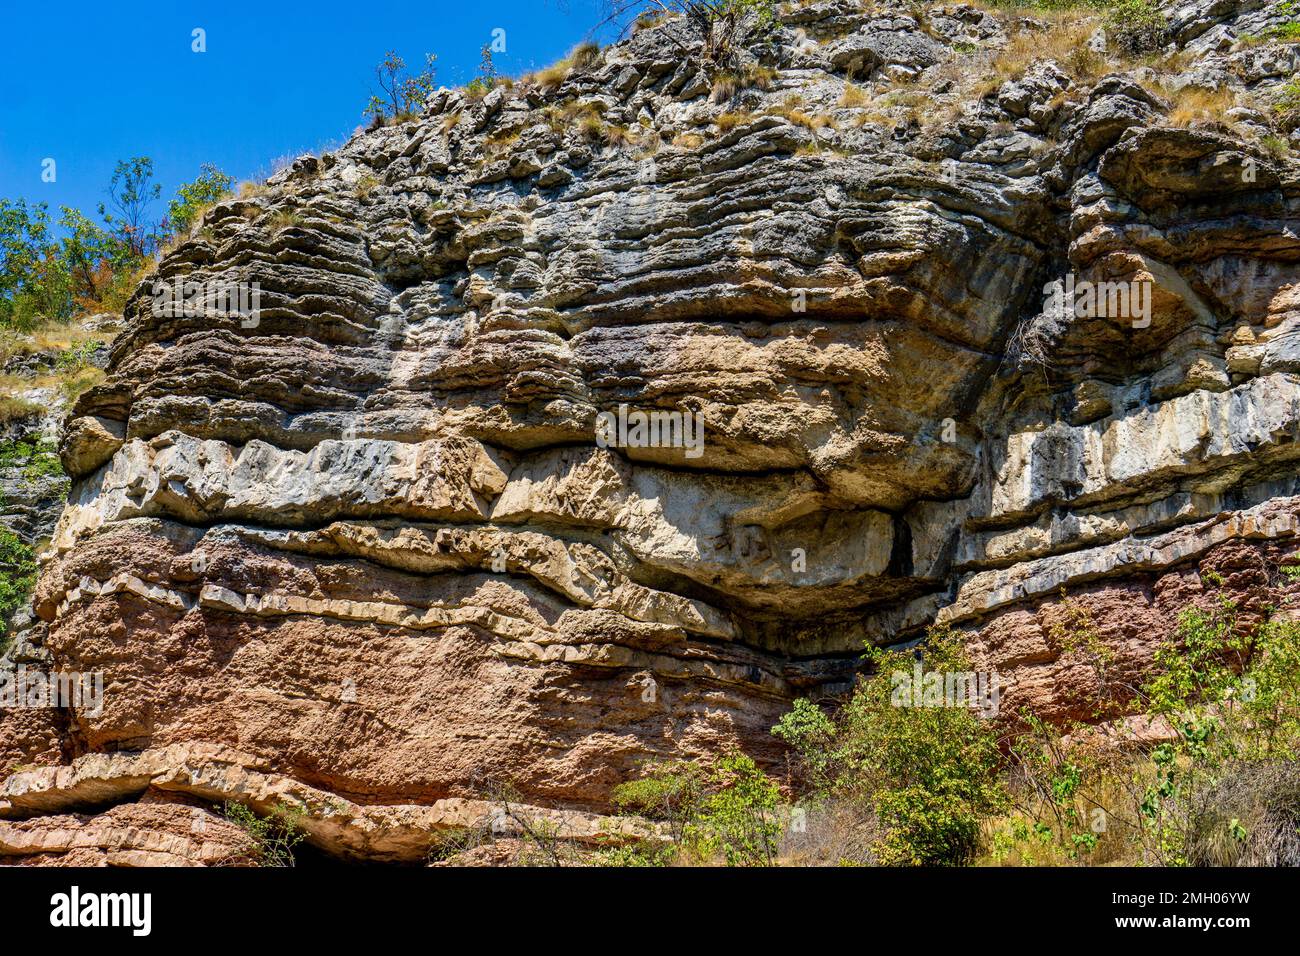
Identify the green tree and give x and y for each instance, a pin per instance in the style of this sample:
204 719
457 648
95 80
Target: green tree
401 94
721 25
210 186
93 257
34 282
130 192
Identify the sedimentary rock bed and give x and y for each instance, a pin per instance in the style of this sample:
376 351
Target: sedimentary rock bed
367 547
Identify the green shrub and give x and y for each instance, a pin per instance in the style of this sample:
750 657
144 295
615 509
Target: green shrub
272 837
38 458
1136 26
401 94
1232 695
727 811
737 816
928 775
211 186
17 578
1287 106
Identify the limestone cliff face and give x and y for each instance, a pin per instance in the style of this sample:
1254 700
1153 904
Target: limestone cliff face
367 551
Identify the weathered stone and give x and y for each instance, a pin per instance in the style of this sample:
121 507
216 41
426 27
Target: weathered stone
355 552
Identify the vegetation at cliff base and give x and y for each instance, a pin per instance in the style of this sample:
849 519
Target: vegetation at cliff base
926 776
272 838
873 782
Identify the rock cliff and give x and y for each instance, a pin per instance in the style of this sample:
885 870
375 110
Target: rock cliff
370 547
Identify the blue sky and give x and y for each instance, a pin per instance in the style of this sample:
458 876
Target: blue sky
88 83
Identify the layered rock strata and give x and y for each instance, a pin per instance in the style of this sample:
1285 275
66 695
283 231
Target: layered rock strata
366 547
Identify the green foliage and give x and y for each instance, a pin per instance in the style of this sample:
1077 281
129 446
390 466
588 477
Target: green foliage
727 811
273 837
94 266
17 578
1136 26
929 775
1290 30
1287 106
34 280
1225 786
210 186
37 459
401 94
669 792
641 854
77 356
737 816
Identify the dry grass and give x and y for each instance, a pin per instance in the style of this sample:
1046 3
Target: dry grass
1065 41
46 337
365 186
791 111
760 77
553 75
854 96
585 56
501 141
729 121
75 384
250 190
283 219
727 84
617 136
688 140
1193 105
592 127
16 409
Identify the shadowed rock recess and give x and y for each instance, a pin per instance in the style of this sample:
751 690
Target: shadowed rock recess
367 552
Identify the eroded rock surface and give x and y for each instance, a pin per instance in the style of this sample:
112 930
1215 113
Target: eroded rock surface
367 547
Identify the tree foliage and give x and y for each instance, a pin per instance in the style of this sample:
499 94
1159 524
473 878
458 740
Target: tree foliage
928 775
722 26
93 265
401 94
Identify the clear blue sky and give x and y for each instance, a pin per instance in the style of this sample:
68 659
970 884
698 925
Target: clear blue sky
88 83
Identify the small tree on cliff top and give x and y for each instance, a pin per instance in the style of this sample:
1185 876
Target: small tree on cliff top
401 94
722 25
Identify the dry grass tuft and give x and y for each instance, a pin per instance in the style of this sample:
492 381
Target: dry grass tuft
1195 105
553 75
729 121
854 96
1065 41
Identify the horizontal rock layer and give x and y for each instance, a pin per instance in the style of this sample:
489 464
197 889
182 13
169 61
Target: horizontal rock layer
372 547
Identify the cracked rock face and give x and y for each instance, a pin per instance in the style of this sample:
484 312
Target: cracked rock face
370 544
